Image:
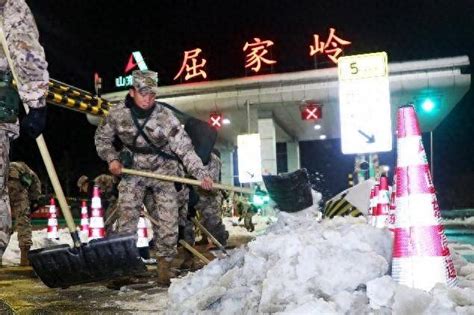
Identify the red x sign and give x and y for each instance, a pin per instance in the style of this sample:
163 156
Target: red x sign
215 120
311 112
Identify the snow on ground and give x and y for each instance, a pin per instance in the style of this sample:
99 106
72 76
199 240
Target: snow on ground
465 221
298 265
302 266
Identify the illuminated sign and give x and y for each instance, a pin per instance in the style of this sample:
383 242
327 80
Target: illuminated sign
135 60
330 47
256 56
191 66
364 104
249 158
311 112
215 120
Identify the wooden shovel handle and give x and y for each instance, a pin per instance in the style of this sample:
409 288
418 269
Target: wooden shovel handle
184 180
48 163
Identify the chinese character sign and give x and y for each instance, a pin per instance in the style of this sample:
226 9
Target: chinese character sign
257 51
331 47
191 65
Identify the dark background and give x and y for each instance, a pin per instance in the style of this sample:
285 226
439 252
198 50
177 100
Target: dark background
82 37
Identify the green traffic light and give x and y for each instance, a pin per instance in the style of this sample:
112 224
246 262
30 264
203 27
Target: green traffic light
428 105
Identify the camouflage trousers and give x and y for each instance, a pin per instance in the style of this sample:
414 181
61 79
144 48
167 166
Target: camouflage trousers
132 190
20 206
5 213
185 226
210 207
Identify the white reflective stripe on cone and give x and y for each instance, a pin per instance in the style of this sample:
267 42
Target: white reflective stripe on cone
415 210
380 221
421 272
96 222
410 152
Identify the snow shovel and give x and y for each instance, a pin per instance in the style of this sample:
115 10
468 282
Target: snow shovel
62 266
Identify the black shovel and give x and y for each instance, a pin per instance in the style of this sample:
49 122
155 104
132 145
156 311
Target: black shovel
61 266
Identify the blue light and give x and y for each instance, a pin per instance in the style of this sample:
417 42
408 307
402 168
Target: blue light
428 105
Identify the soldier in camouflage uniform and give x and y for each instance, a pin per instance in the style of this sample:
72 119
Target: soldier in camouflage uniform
108 192
24 188
246 211
30 65
154 141
210 203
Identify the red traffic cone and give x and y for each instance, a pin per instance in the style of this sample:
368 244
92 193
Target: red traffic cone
380 216
393 206
96 224
53 232
84 221
371 204
142 242
421 257
374 204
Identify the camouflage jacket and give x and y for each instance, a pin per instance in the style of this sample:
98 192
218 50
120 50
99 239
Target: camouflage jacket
214 167
21 174
163 129
27 55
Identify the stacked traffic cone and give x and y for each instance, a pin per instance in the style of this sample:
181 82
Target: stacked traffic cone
374 204
421 257
142 242
380 215
371 204
84 222
393 206
53 232
96 224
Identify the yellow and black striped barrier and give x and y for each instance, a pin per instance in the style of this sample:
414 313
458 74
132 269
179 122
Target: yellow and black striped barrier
70 97
340 207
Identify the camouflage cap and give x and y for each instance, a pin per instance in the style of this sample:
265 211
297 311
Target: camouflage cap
145 81
82 180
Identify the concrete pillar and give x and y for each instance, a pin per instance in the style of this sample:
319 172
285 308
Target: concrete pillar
266 129
227 170
293 155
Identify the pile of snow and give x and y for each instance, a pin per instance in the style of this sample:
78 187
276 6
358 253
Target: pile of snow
40 240
302 266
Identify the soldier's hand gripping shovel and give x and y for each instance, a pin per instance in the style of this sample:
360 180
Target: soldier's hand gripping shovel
62 266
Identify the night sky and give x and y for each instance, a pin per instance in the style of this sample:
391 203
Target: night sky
82 37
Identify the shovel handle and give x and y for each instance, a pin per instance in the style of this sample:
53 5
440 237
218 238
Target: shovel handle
195 252
45 155
213 239
183 180
182 242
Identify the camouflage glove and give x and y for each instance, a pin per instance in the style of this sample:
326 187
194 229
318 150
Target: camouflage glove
34 122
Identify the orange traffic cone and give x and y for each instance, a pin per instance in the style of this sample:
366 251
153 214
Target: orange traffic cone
380 216
421 257
142 242
52 221
96 224
84 222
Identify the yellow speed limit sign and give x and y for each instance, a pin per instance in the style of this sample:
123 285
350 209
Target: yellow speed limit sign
363 66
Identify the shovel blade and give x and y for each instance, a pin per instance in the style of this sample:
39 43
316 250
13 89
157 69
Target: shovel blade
62 266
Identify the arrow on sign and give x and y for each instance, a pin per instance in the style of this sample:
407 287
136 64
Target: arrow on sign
370 139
